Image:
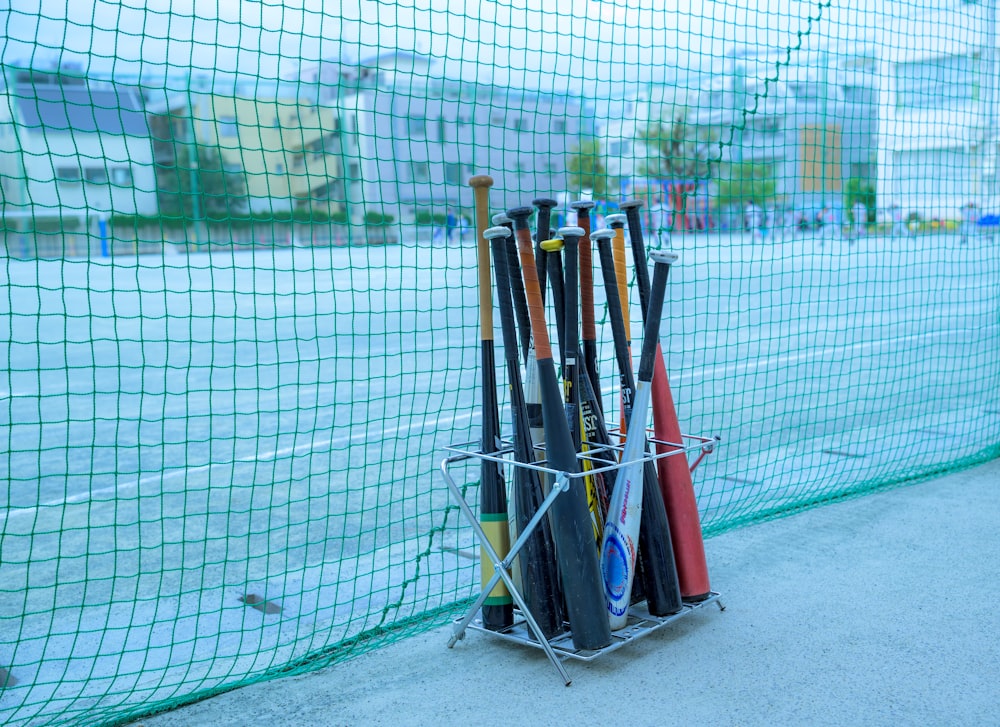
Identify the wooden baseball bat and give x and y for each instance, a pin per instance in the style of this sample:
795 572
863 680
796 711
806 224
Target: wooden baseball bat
497 611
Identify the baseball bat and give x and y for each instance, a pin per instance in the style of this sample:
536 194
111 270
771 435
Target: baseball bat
649 575
595 431
542 219
617 225
539 578
626 381
501 219
658 569
497 611
588 338
516 286
554 263
621 531
571 367
676 486
571 332
579 568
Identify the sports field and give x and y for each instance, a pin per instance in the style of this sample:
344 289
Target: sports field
184 431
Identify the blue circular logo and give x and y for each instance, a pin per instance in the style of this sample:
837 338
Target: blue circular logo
616 569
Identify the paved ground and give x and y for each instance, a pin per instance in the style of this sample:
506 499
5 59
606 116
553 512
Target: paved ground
877 610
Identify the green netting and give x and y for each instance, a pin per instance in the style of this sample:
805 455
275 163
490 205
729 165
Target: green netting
240 316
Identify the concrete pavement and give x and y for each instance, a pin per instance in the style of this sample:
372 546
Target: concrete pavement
878 610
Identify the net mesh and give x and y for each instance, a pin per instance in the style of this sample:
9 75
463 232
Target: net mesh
240 311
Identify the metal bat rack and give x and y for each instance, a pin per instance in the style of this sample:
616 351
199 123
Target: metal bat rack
525 630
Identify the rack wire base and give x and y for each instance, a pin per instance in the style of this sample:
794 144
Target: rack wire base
640 623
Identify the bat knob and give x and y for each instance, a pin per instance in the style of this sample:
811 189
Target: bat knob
491 233
632 204
520 215
661 256
583 204
602 234
616 220
501 219
553 245
481 180
544 203
571 231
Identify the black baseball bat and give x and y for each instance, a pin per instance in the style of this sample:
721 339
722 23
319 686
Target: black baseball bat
543 232
539 576
516 287
579 567
571 367
554 263
571 330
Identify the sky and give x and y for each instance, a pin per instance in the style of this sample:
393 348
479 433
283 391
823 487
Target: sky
515 41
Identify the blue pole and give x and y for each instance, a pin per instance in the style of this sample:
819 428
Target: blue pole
102 226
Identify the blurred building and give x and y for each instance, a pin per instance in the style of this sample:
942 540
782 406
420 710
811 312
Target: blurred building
73 147
807 122
413 138
831 122
278 149
937 111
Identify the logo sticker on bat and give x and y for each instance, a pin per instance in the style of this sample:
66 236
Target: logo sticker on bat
619 554
589 423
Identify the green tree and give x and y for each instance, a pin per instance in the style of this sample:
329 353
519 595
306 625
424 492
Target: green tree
586 169
677 149
745 181
861 190
206 189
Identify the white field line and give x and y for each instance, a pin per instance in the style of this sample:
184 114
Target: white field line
335 441
770 361
452 420
257 394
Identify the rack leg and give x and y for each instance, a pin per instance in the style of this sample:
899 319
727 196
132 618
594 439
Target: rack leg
499 573
462 625
537 631
501 565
